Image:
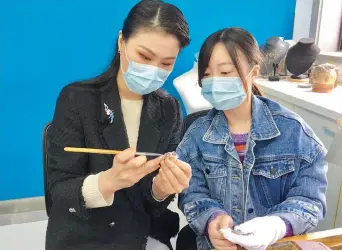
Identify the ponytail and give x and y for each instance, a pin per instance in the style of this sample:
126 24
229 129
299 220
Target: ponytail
114 67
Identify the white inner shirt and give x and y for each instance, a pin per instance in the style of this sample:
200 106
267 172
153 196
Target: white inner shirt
131 110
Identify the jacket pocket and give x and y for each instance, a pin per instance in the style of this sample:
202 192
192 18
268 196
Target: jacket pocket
271 180
274 169
216 176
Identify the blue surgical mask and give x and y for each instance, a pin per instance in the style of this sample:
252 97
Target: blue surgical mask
224 93
142 78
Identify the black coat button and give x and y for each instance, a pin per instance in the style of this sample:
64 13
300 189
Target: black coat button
207 171
250 210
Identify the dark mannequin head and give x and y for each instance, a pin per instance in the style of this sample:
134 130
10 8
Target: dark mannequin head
301 56
274 50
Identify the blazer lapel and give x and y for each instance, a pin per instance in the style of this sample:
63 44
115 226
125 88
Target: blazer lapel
151 118
113 132
148 141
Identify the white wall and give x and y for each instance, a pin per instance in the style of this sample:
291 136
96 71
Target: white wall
329 32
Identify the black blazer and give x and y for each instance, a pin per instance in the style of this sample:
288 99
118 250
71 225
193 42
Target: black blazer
80 120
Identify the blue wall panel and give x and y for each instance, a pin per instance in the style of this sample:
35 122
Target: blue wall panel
44 45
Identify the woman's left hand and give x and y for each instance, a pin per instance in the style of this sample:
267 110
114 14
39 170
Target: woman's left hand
173 177
262 232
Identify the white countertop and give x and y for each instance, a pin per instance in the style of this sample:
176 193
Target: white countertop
326 104
26 236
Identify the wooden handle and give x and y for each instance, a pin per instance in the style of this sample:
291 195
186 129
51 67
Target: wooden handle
91 150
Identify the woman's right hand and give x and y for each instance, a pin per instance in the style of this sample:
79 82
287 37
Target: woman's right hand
216 237
126 171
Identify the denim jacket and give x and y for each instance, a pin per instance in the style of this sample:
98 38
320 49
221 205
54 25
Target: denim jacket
284 171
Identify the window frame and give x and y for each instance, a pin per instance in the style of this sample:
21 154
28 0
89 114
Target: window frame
340 42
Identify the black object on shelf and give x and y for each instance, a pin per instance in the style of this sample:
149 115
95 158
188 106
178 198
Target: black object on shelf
275 76
300 58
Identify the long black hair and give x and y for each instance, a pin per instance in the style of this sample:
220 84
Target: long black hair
234 39
151 15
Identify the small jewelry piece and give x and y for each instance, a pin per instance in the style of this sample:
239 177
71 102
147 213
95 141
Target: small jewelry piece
239 232
109 112
171 155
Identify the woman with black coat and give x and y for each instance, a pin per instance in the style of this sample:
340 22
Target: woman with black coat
98 202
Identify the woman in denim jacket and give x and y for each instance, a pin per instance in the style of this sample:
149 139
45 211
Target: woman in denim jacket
257 167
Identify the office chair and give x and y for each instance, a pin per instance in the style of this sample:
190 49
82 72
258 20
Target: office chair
48 200
189 119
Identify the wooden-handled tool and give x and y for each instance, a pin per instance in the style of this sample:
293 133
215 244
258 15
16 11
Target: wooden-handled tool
105 151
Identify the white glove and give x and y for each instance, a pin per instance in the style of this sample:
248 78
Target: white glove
257 233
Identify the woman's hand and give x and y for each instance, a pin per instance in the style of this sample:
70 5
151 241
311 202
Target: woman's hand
173 177
217 239
126 171
259 232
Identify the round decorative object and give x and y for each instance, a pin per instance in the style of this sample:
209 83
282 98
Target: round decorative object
323 78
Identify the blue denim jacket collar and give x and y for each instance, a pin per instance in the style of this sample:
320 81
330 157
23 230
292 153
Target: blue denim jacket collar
263 125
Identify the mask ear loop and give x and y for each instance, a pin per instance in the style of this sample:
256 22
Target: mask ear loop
248 76
250 72
127 61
